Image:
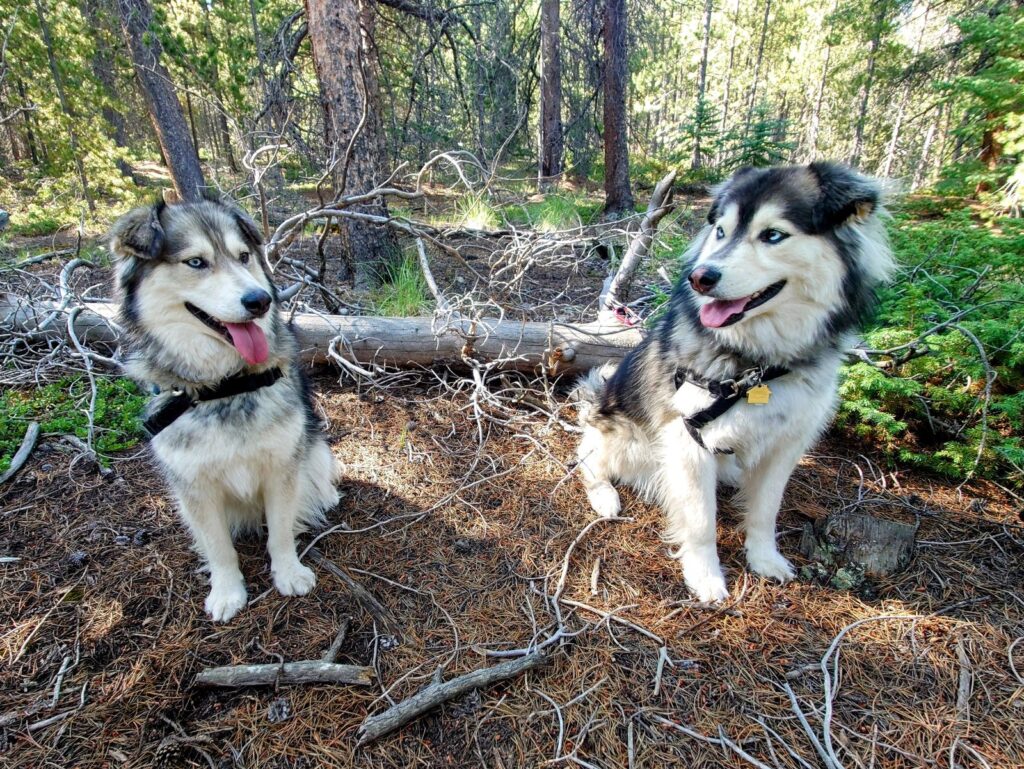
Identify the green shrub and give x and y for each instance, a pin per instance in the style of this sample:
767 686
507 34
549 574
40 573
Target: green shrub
928 410
61 408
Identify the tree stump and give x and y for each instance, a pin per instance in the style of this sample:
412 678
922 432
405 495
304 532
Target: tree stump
870 545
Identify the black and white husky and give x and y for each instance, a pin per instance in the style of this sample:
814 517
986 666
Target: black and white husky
232 426
738 378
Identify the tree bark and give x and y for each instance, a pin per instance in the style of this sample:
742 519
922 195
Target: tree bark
345 59
551 145
757 62
618 196
162 102
65 106
702 75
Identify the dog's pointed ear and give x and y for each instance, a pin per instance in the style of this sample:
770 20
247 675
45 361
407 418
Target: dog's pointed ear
845 196
251 232
721 191
138 234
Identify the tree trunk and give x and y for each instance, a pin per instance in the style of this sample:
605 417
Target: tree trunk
890 153
618 196
865 91
921 171
812 138
162 102
345 59
550 95
728 76
702 75
757 63
30 136
65 106
103 70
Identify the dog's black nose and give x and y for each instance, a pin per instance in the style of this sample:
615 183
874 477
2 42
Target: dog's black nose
257 302
703 279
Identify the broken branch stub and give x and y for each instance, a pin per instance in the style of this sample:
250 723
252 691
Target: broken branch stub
617 289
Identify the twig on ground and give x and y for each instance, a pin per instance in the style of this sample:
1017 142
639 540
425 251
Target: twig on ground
22 454
332 652
376 726
372 606
304 672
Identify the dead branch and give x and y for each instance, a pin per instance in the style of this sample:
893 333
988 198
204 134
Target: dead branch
22 454
428 698
373 607
304 672
660 204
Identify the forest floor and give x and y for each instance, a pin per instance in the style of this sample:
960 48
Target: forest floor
463 541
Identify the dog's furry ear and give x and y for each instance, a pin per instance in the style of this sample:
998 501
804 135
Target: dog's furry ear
138 234
845 196
251 232
721 191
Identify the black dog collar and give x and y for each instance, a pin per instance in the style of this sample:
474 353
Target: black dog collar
727 393
180 402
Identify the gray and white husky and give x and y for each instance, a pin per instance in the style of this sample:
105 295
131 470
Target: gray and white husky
739 377
233 427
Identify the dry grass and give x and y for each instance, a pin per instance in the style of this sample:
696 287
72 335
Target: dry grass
106 588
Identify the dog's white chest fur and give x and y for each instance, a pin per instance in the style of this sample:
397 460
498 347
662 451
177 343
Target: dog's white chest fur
799 404
200 446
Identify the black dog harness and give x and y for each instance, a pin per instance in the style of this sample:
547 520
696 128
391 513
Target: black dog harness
180 402
727 393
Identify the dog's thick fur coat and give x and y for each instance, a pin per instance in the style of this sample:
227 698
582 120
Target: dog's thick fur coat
199 307
782 274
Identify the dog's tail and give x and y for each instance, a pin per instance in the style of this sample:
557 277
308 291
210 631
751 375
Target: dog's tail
589 392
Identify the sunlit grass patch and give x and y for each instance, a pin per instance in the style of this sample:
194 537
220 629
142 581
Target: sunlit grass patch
475 212
404 291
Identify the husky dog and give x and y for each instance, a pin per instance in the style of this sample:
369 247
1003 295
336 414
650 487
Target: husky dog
232 426
739 377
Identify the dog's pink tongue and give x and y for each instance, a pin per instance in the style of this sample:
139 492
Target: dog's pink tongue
715 313
249 340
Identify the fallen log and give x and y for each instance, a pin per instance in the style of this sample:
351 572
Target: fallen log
438 692
304 672
533 346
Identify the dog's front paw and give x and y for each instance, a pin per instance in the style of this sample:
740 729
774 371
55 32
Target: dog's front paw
605 500
769 562
294 579
225 601
705 579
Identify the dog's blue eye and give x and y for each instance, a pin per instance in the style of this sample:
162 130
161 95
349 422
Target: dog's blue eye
719 232
773 236
196 263
244 257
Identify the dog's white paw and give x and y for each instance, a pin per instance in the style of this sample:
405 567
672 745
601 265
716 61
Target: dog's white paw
294 579
605 500
769 562
705 579
225 600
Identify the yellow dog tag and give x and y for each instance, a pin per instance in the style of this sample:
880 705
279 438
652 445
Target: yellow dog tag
759 395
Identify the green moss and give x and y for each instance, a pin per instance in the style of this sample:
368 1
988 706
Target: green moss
61 408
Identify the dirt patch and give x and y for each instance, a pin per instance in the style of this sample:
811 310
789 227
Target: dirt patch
103 629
